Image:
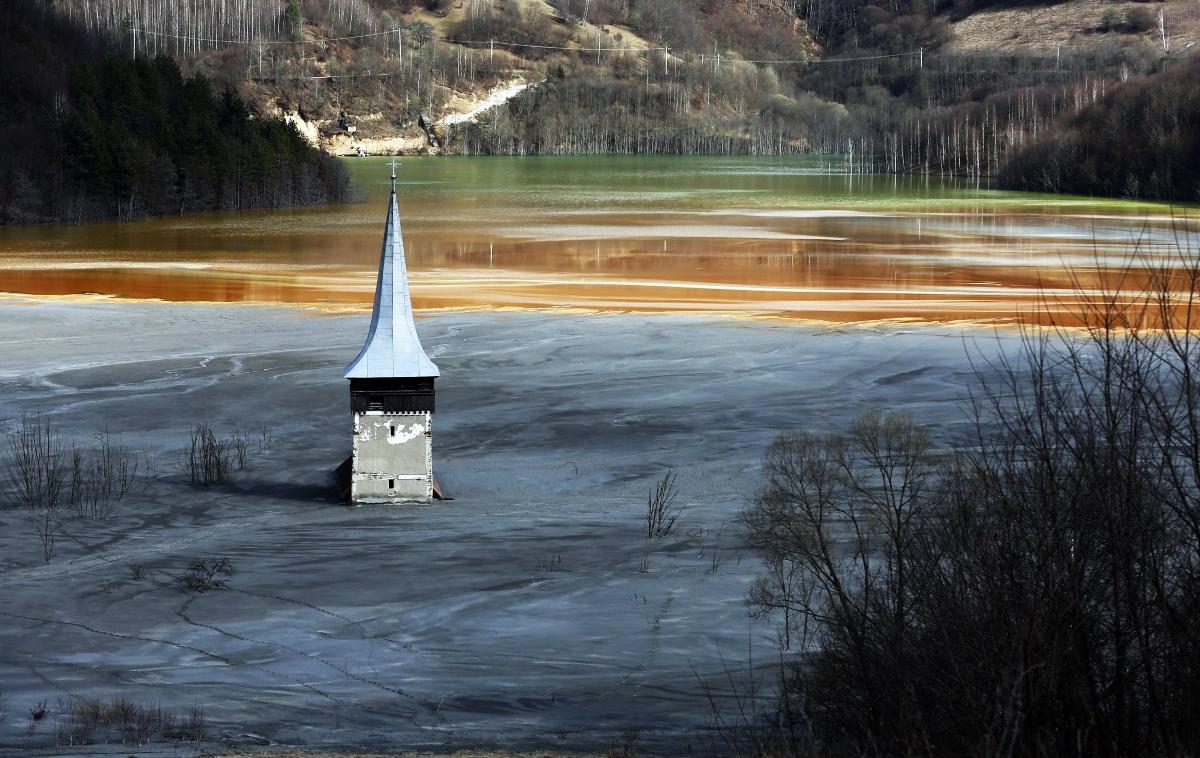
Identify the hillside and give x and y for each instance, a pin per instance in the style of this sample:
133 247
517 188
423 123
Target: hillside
1078 24
910 86
1142 139
91 135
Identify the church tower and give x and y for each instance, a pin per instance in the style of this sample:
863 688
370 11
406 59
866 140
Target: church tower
391 389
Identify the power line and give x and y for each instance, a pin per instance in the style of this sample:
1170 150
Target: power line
555 47
839 60
391 31
263 41
580 49
342 76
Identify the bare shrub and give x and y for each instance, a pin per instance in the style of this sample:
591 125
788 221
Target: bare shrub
36 477
82 718
420 32
205 575
193 727
100 478
46 524
626 745
37 469
1139 20
524 28
46 477
149 464
36 715
661 512
748 717
1035 593
550 564
76 481
114 468
206 458
1110 20
266 436
239 443
39 712
137 723
87 721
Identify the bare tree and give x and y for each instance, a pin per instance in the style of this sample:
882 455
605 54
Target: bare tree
1038 591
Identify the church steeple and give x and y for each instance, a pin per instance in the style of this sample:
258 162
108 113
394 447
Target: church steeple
391 390
392 348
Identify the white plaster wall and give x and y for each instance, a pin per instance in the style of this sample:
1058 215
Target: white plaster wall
393 458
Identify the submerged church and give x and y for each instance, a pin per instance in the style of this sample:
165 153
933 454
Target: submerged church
391 391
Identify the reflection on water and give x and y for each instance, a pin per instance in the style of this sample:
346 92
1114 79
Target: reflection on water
736 235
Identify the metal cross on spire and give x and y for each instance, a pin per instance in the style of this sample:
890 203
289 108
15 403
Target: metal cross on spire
393 165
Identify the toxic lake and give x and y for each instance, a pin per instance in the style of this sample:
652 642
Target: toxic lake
786 238
533 611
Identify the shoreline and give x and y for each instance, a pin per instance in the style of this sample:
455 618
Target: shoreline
320 310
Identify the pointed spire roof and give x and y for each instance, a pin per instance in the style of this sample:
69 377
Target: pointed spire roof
392 348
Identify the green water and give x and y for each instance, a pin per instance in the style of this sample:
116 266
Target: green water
703 183
774 236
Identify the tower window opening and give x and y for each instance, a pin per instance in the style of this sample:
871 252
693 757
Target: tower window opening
391 484
391 430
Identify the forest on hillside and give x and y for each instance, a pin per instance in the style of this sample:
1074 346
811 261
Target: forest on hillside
1142 140
875 85
90 134
885 95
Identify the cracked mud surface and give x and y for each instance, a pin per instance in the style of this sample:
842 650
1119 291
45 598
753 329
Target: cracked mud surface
515 616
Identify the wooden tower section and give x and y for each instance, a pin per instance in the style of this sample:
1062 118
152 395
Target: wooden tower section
391 389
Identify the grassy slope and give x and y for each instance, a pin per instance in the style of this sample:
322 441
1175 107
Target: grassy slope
1026 29
1038 28
771 106
375 117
